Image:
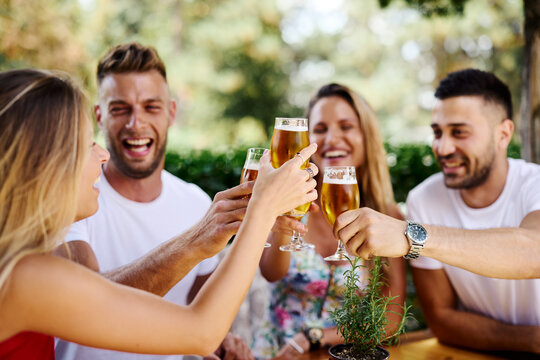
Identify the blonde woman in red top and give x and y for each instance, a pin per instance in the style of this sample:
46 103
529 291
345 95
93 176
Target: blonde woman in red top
48 167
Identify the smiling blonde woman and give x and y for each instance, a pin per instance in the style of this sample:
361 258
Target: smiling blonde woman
48 167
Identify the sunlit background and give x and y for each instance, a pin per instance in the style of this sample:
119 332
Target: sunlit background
234 65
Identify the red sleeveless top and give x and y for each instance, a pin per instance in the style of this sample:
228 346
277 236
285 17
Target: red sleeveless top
27 346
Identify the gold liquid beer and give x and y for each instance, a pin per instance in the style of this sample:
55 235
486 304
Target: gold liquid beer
338 196
251 166
287 140
248 175
250 171
339 193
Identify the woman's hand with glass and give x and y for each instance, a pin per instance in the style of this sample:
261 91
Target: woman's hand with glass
287 187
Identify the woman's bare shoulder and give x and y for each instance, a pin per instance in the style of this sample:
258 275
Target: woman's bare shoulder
43 270
24 283
40 282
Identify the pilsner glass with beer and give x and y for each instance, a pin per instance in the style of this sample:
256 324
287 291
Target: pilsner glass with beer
251 168
290 136
339 193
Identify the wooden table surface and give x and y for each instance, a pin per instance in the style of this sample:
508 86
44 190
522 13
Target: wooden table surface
418 346
433 350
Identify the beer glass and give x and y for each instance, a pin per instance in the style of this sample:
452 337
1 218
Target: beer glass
290 136
251 169
339 193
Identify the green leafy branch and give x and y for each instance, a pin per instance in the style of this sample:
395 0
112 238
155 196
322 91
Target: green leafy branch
362 319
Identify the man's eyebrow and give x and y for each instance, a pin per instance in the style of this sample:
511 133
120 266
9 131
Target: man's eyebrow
158 99
117 102
436 126
146 101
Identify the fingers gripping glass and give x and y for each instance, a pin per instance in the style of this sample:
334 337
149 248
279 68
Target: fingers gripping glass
251 169
339 194
290 136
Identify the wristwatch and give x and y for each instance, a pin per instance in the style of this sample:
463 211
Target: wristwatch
416 235
314 336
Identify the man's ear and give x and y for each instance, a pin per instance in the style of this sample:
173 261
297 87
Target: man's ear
97 112
172 112
505 130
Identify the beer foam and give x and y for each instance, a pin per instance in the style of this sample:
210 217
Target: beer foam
291 128
347 180
251 165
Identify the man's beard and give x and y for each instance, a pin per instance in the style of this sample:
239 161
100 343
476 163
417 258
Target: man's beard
477 178
133 172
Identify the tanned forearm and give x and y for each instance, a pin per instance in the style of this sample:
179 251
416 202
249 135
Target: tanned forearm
79 252
162 268
159 270
506 253
465 329
510 253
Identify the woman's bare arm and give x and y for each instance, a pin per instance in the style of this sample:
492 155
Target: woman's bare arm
54 296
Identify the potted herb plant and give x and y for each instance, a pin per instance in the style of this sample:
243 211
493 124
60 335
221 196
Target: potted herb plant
362 318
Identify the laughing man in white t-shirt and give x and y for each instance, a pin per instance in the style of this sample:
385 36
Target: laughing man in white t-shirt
481 213
153 231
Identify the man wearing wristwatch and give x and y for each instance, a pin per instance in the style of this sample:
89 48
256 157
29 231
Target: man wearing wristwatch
481 213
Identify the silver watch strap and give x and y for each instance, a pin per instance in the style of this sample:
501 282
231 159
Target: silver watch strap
414 252
415 249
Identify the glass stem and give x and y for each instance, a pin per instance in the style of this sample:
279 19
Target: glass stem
340 248
296 238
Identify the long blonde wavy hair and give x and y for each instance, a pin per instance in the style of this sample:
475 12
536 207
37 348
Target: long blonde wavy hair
43 122
373 176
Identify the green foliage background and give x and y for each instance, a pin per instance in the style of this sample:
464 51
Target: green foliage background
234 65
409 165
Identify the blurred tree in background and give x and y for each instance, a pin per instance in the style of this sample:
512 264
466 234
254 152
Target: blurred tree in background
44 34
395 57
234 70
530 97
236 64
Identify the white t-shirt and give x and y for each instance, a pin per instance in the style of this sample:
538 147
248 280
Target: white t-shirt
123 231
510 301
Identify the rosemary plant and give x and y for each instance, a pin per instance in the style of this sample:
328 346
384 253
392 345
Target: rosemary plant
362 318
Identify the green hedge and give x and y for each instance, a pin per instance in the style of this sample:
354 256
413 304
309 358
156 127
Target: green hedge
409 165
212 171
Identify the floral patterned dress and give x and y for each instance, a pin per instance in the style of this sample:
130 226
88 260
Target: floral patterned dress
296 301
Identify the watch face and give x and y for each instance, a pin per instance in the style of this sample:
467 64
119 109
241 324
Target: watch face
417 233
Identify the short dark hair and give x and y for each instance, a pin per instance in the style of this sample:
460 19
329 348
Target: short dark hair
470 82
130 57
